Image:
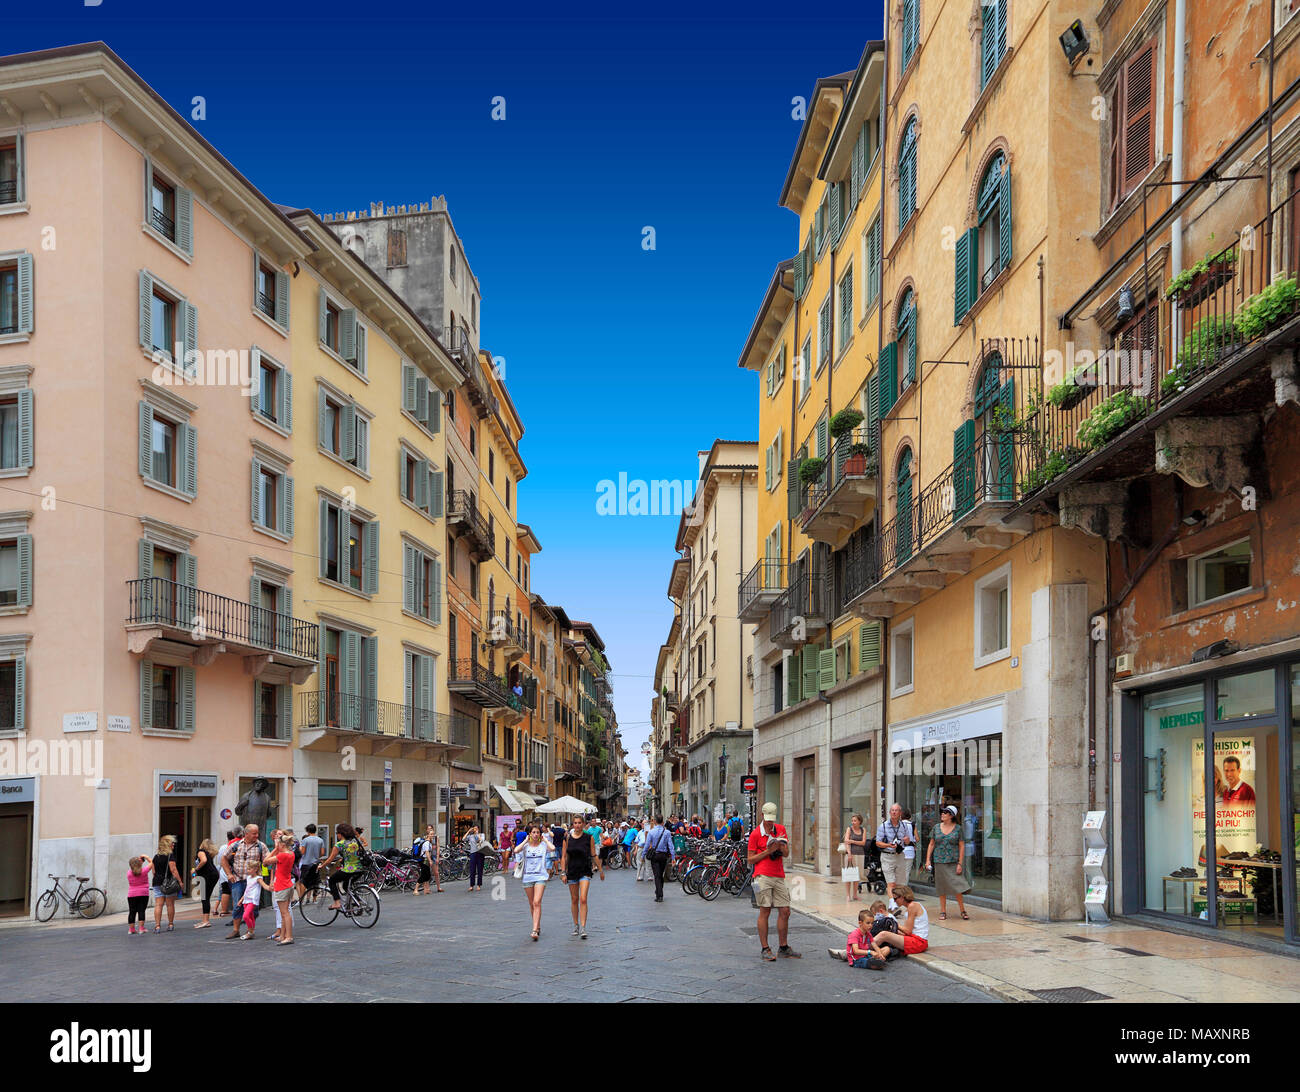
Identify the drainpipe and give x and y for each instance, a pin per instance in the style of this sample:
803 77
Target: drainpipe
882 740
1176 150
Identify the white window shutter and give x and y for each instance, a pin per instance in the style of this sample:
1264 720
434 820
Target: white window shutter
185 220
146 310
255 493
282 298
284 411
146 440
26 294
26 429
286 505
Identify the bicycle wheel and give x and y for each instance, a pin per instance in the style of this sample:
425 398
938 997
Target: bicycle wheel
364 908
691 880
90 903
709 884
315 908
46 905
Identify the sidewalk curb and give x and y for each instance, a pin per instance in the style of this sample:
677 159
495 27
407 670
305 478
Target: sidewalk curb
1003 991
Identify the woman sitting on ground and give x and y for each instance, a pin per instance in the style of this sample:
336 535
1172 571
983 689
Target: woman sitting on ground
913 934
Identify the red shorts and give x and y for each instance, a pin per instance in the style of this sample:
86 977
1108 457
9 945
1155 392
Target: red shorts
912 945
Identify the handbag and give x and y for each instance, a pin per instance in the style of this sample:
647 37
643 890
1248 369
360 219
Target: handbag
171 887
851 874
841 848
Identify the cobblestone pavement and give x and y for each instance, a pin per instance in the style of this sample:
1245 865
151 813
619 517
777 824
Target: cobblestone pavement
462 946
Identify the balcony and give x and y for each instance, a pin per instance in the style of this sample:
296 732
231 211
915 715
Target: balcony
463 519
761 587
843 496
501 633
473 681
670 700
329 721
802 611
570 768
1211 355
266 304
477 387
178 624
162 223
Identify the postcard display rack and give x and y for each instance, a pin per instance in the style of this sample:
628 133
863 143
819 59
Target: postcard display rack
1094 875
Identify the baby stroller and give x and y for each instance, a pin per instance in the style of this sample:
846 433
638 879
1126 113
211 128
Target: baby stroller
873 875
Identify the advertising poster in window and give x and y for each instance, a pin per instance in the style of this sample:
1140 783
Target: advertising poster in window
1234 795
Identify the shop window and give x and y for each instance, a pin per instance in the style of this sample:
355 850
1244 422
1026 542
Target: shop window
993 617
1248 695
900 657
1173 785
1220 573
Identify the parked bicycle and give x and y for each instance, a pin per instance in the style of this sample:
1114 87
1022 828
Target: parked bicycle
731 874
89 902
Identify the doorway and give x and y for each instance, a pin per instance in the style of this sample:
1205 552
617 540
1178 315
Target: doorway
15 859
333 806
189 822
807 825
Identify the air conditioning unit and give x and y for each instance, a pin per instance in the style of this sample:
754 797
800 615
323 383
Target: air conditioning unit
1124 663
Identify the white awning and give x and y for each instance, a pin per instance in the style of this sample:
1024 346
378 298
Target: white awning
514 802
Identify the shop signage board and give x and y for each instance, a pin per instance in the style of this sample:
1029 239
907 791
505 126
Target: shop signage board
18 790
1094 876
184 784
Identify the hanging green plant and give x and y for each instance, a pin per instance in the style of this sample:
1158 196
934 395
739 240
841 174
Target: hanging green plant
845 422
1212 269
811 469
1074 388
1110 418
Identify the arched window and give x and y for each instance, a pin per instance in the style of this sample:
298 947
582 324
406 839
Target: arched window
907 338
903 507
984 250
907 175
993 37
983 448
911 30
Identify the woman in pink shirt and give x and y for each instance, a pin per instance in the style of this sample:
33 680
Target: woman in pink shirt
282 888
137 892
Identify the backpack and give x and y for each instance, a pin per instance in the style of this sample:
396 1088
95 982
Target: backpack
417 848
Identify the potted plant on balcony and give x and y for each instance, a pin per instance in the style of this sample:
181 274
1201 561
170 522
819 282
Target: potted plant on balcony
1266 309
1197 281
1074 388
845 422
856 464
811 469
1206 342
1110 418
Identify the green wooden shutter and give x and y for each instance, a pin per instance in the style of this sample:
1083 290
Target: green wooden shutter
185 220
793 681
284 397
903 520
408 388
434 420
823 438
888 381
988 41
21 174
1004 489
914 326
347 432
284 711
824 332
810 672
323 434
20 691
435 595
819 227
146 694
425 693
324 537
767 467
26 428
436 493
188 436
188 702
420 484
282 298
826 668
285 497
793 500
421 398
835 213
146 310
284 623
1004 217
370 557
361 349
967 249
370 682
349 679
869 646
323 317
798 275
24 570
410 559
846 307
146 440
963 468
348 334
26 294
255 507
855 170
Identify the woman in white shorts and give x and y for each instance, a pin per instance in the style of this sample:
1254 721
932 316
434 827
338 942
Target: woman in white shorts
532 857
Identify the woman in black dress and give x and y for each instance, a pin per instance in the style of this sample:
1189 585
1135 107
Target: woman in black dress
166 883
576 860
205 870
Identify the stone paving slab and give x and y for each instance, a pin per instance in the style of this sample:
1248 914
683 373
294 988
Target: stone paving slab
463 947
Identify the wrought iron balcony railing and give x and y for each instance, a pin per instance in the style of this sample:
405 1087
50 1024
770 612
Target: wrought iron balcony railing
463 517
208 618
760 588
162 223
8 191
480 684
266 304
357 713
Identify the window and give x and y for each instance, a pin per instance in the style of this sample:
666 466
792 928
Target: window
903 506
349 548
162 207
168 451
772 462
271 291
17 307
473 311
422 584
168 322
473 441
451 268
846 308
1132 119
907 338
993 616
422 399
16 572
13 694
16 439
11 170
492 464
273 717
900 659
911 31
343 431
330 329
993 37
341 333
166 698
272 498
871 258
907 175
396 248
802 377
507 494
1223 572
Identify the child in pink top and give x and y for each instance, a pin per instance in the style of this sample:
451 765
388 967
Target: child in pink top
137 892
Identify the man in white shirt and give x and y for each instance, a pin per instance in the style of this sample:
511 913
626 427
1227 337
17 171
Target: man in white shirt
897 845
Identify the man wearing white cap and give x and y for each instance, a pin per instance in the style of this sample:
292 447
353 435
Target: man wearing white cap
767 846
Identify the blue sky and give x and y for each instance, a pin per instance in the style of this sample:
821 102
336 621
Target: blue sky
619 359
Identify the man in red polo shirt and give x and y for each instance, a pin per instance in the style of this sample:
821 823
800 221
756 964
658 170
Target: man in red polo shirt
768 844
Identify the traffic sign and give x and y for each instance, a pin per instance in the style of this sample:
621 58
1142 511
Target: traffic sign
749 783
384 824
